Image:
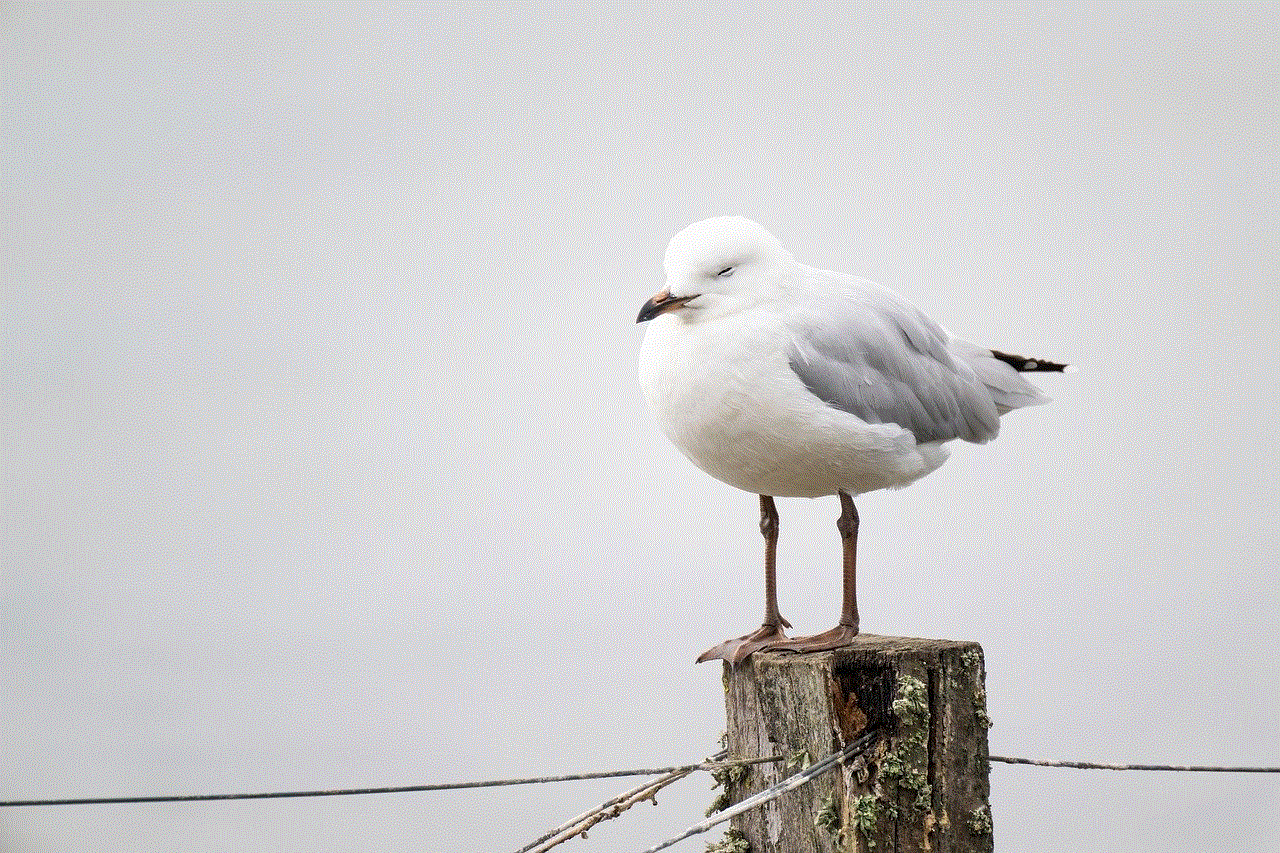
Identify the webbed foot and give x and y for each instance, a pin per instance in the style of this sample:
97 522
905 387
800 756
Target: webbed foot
736 651
841 635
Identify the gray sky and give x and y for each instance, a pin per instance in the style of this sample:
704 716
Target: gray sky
325 464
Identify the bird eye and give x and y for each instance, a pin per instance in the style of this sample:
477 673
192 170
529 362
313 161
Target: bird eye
725 273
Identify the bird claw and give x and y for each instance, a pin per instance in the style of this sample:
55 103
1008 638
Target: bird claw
841 635
736 651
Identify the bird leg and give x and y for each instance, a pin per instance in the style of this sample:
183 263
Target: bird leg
737 650
842 634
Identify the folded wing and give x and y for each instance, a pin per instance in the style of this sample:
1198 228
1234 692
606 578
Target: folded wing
866 351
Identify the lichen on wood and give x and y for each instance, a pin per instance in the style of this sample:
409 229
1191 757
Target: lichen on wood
732 842
925 695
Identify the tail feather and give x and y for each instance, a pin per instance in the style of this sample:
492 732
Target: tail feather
1001 373
1023 364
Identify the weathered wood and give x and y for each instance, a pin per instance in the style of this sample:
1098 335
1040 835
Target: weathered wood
924 787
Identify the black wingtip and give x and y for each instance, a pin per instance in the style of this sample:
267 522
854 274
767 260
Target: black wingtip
1022 364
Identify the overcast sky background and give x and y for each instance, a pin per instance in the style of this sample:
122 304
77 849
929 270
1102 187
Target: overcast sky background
325 463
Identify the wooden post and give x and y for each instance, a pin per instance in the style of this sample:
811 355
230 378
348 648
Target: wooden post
924 787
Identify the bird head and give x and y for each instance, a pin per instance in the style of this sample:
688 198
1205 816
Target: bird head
717 266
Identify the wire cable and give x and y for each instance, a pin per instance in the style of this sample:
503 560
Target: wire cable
804 777
1091 765
397 789
609 809
570 777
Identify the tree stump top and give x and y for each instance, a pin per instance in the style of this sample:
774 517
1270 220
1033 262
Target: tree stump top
923 787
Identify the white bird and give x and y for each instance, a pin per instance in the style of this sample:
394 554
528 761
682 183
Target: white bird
789 381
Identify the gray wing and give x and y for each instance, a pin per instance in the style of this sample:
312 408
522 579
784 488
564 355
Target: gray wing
872 354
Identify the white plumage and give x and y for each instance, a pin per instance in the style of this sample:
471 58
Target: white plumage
789 381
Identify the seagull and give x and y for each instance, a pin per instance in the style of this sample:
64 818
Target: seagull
787 381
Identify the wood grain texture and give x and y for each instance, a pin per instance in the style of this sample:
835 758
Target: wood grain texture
925 785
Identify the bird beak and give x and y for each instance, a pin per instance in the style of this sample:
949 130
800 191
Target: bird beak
661 303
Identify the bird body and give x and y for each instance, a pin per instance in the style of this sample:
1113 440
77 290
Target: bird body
789 381
724 392
817 382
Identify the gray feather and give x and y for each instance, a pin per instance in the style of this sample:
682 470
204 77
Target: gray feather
1007 387
875 356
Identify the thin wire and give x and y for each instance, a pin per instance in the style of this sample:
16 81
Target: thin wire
620 798
1090 765
609 809
804 777
398 789
603 813
608 774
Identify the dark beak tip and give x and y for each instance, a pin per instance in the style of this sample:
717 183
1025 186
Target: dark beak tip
652 308
661 304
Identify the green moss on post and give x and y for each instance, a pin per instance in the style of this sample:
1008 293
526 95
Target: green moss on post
922 788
